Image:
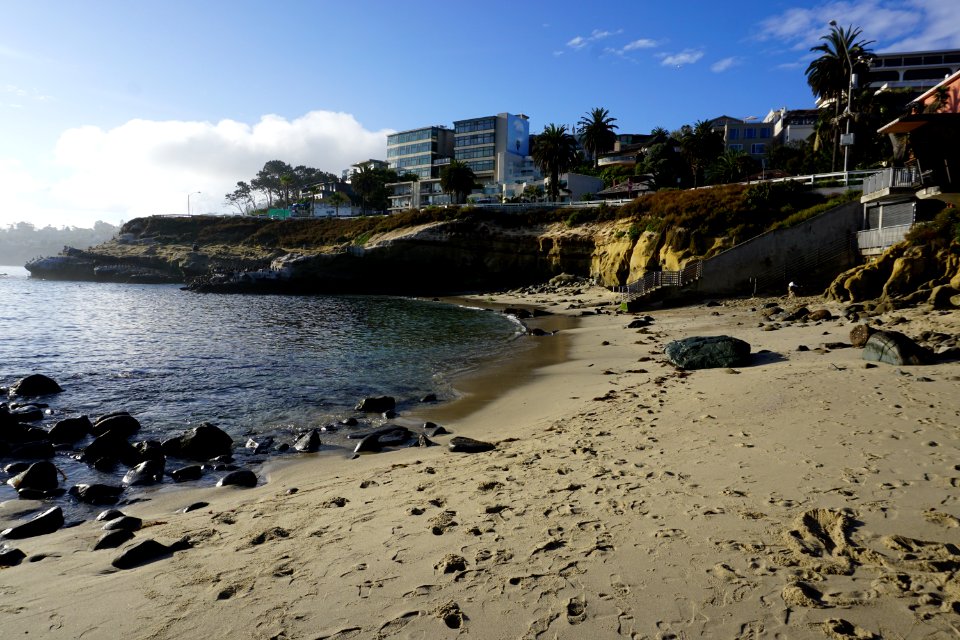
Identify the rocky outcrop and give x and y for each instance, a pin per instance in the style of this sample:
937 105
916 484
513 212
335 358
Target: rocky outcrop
903 276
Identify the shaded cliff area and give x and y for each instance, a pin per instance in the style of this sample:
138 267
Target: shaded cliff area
439 250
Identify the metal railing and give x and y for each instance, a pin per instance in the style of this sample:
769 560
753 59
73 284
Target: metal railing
883 237
892 178
653 280
805 265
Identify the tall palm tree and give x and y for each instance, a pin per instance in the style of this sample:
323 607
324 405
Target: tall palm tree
554 152
458 179
829 74
596 133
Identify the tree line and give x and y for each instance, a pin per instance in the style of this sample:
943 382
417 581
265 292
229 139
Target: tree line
23 241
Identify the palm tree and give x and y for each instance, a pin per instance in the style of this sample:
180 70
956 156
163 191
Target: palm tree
457 178
338 199
596 133
733 165
829 74
554 152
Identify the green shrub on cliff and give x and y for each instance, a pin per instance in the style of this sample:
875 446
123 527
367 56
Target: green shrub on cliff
939 232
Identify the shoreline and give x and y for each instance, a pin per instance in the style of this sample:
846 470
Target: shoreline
624 499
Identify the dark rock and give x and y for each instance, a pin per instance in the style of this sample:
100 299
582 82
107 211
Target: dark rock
259 444
803 347
377 404
520 314
860 334
640 323
146 552
389 415
469 445
27 413
96 493
800 313
35 385
836 345
308 442
424 441
194 506
201 443
349 422
224 459
239 478
16 467
70 429
708 352
329 428
47 522
121 423
369 443
33 450
111 446
10 557
146 473
124 523
113 539
437 430
820 314
149 450
186 474
388 436
895 348
109 514
430 397
40 476
539 333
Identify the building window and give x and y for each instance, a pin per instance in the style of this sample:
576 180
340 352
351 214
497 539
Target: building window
479 152
483 165
469 141
733 134
758 148
764 132
749 133
481 124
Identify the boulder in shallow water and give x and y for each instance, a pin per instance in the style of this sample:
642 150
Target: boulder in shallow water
70 430
110 446
47 522
40 476
239 478
96 493
35 385
377 404
200 443
185 474
121 423
461 444
308 442
895 348
708 352
146 473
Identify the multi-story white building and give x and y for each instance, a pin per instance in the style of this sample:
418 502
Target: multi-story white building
422 152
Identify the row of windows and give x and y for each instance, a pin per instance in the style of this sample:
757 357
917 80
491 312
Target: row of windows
410 136
914 61
407 149
469 141
479 152
935 73
413 161
481 124
756 149
749 133
482 165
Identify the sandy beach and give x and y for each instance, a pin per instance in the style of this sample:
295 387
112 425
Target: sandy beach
804 496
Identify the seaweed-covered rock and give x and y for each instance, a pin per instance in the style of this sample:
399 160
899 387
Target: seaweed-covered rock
710 352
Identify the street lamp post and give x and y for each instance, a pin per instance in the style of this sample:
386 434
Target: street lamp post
193 193
846 140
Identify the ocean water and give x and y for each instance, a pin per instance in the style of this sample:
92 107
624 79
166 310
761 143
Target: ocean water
249 364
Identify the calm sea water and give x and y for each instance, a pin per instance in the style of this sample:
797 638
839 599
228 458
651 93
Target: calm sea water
249 364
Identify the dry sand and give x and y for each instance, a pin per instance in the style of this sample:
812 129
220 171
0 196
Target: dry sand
804 496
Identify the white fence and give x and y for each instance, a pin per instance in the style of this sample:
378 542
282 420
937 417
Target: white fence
882 238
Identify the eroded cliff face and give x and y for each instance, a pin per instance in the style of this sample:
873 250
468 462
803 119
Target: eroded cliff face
457 255
903 276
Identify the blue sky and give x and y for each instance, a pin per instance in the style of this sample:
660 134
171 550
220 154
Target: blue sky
111 110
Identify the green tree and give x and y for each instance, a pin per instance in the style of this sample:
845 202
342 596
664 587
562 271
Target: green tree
338 199
829 77
458 179
242 198
733 165
596 132
554 152
701 145
370 186
267 180
663 163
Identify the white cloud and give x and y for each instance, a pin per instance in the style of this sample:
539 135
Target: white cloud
146 167
687 56
722 65
19 92
642 43
579 42
894 25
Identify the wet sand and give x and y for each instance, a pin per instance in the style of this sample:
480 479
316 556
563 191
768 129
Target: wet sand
803 496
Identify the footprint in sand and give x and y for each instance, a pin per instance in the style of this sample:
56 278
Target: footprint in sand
442 521
620 589
576 611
